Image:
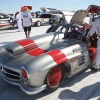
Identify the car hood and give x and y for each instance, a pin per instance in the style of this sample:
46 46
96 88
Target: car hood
78 17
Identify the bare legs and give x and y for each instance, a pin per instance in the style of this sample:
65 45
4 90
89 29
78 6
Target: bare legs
27 31
27 34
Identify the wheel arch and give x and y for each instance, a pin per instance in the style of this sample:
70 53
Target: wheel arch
67 69
47 80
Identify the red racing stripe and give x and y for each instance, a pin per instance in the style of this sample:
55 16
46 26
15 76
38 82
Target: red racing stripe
58 56
5 25
30 47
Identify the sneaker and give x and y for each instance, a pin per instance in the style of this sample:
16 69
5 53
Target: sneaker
95 69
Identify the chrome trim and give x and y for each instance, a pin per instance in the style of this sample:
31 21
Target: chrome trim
10 73
27 90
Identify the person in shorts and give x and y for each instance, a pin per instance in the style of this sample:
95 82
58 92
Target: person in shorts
26 21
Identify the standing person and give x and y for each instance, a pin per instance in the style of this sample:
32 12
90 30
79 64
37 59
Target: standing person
19 22
63 18
33 15
95 27
14 20
26 21
43 12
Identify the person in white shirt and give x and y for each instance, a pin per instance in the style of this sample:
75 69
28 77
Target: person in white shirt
95 27
19 22
26 21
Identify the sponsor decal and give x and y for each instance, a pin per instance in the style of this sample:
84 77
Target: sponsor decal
81 60
73 62
77 49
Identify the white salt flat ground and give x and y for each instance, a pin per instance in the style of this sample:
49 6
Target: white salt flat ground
84 86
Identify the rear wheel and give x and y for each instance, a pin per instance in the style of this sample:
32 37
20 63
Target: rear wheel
38 23
55 77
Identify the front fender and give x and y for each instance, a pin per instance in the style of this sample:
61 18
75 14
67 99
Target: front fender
40 63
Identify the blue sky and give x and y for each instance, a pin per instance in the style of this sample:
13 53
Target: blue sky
11 6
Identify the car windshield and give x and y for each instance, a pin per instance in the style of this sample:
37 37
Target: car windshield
69 31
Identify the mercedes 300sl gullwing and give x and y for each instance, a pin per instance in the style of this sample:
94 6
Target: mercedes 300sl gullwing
42 62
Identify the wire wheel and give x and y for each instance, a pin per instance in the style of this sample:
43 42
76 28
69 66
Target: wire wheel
55 77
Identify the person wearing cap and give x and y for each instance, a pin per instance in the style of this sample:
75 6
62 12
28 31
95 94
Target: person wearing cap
19 21
95 28
14 20
26 21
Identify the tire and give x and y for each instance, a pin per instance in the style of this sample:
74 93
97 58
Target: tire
55 77
38 23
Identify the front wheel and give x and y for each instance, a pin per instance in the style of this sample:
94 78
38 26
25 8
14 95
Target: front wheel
55 77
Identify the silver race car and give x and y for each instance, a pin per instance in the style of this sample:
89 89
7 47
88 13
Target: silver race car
42 62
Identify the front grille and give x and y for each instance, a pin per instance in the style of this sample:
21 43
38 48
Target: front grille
11 74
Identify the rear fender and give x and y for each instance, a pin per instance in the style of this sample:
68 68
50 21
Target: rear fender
46 61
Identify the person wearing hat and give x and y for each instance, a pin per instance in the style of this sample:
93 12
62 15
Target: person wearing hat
26 21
